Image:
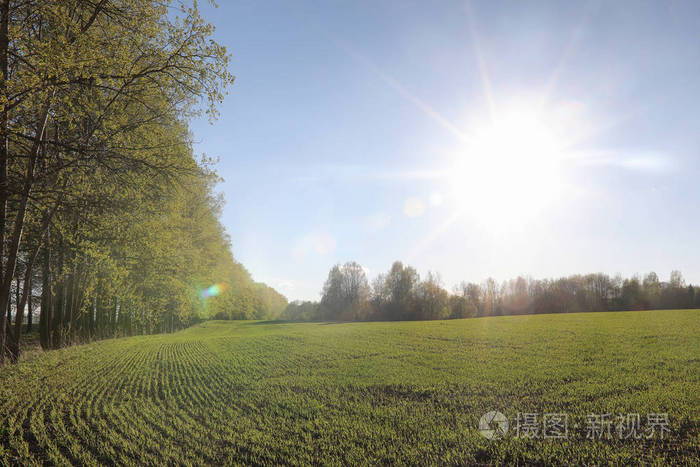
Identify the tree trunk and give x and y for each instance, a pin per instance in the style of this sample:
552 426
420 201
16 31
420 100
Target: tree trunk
68 294
18 228
7 318
26 292
4 152
58 301
19 314
46 297
91 321
29 307
114 318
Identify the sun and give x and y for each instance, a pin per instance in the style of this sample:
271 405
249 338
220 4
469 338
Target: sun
509 169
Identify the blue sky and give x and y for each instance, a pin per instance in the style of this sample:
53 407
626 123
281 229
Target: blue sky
382 130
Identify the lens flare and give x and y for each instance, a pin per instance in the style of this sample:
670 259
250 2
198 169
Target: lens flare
214 290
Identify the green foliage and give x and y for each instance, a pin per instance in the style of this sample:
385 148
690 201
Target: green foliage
247 299
301 311
357 393
97 171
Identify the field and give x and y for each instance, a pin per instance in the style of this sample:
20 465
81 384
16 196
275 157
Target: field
358 393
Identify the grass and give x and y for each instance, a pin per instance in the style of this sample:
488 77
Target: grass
358 393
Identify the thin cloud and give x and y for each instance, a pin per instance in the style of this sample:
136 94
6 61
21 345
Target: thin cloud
643 162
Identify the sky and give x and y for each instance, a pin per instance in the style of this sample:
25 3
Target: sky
473 139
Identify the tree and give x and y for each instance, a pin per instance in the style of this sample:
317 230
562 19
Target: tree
491 297
676 281
400 295
632 298
401 284
652 290
346 293
433 300
461 307
301 311
99 190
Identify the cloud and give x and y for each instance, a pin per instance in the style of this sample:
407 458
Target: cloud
643 161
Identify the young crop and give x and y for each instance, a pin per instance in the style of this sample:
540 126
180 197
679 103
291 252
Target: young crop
360 393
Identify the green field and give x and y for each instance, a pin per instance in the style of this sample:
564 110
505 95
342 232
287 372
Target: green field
358 393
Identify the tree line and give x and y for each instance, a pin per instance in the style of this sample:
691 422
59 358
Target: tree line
400 294
108 222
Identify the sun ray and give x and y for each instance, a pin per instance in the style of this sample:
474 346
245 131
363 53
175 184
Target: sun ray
568 51
481 62
434 234
402 91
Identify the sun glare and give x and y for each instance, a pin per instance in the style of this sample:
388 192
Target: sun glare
508 170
